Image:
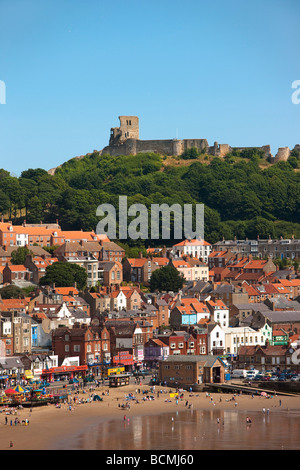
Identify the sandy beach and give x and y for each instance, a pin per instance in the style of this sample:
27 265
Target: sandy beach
48 423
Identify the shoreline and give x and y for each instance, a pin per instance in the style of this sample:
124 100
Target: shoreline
48 424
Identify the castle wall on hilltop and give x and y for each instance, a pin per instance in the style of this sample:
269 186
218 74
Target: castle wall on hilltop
124 140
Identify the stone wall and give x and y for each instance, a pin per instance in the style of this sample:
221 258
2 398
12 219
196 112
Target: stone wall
199 144
282 154
265 148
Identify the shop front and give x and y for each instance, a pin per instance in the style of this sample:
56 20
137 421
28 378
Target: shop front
124 358
64 373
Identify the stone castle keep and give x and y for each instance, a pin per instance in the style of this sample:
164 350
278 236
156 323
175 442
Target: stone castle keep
124 140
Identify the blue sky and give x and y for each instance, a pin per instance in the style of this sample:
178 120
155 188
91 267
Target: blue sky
218 70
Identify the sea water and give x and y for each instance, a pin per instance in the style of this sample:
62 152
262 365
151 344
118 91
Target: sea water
190 430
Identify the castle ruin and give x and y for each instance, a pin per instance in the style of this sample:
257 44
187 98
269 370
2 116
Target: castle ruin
124 140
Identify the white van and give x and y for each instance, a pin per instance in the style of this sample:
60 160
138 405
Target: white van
239 374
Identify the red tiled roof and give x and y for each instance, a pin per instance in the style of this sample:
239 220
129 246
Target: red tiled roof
8 304
217 254
17 267
161 261
256 264
180 264
66 290
194 242
137 262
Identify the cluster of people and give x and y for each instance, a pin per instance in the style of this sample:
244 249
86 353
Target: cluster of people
16 421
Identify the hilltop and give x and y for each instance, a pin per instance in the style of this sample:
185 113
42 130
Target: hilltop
125 140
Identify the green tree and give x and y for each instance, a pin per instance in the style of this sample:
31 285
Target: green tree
11 292
191 153
166 278
33 173
4 202
64 274
18 256
12 188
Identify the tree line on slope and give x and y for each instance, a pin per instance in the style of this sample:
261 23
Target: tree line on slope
240 198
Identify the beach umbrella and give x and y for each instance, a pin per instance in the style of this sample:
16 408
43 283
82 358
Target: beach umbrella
20 389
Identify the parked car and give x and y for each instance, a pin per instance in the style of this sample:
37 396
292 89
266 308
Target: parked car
282 378
274 378
257 377
295 378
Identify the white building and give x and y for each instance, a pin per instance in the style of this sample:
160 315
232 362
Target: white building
242 336
219 312
194 248
216 339
118 300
